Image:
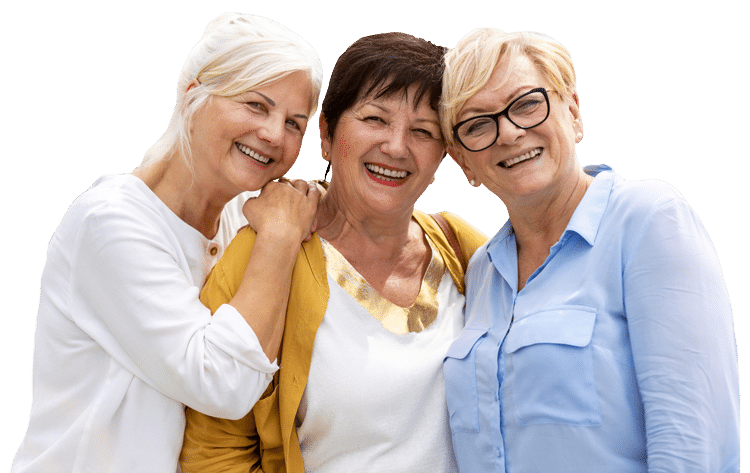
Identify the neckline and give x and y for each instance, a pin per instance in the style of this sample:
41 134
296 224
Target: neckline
394 318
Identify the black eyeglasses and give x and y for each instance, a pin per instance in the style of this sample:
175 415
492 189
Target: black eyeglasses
527 111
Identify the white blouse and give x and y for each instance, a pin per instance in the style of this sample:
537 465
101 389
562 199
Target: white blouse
375 396
123 342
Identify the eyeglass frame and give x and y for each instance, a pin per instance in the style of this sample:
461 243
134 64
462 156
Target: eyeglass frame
496 118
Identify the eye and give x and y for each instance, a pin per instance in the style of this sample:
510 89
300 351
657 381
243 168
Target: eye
478 126
257 107
525 106
426 133
295 125
374 119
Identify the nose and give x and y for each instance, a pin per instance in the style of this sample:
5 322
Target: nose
395 143
272 130
507 132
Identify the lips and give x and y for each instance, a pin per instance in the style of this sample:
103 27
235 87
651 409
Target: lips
252 154
386 174
509 163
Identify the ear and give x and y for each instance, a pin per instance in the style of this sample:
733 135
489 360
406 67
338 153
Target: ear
325 140
462 163
576 114
193 83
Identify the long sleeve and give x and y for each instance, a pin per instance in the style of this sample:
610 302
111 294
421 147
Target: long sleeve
131 290
680 325
123 343
213 444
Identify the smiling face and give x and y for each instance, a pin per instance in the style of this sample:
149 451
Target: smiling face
384 153
240 143
521 162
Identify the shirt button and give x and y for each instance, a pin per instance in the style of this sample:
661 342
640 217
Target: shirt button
213 251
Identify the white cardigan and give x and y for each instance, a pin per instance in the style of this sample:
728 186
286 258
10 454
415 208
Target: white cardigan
123 342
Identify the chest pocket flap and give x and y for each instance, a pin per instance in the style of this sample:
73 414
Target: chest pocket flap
571 326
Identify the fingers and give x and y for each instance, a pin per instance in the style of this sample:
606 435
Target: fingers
286 208
308 188
313 191
300 185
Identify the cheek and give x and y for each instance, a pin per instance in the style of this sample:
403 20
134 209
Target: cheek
476 162
435 160
292 150
345 148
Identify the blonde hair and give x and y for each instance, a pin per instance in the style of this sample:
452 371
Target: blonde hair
237 53
469 66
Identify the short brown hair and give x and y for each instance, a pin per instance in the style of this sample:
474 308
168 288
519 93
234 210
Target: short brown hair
383 64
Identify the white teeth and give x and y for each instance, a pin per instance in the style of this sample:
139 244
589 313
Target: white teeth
512 162
387 174
253 154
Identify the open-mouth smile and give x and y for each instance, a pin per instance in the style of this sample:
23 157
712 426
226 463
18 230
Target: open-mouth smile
509 163
252 154
387 176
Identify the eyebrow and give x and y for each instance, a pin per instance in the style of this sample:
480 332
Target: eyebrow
483 111
376 105
273 104
268 99
428 120
388 110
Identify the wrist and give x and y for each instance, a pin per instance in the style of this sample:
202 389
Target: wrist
278 243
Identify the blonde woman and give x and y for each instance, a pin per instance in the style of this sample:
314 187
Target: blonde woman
599 333
123 343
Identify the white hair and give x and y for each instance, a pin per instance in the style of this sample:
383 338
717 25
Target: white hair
237 53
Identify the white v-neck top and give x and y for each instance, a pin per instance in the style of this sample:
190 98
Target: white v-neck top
375 396
123 343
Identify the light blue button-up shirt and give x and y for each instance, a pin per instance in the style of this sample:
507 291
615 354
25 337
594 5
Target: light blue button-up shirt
617 356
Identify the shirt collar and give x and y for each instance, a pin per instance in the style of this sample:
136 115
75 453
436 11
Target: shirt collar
588 215
585 222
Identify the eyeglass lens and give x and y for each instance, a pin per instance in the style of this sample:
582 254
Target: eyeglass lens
527 111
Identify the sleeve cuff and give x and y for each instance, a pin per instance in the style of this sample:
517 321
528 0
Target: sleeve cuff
239 340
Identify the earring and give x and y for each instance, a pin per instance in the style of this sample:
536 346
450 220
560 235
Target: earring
325 154
473 183
579 135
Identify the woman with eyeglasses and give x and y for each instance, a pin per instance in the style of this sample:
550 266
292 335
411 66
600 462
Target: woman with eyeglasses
599 333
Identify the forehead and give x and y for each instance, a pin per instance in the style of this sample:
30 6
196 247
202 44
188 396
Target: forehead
395 99
293 91
513 75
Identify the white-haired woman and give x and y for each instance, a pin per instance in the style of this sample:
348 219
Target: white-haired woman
599 333
123 342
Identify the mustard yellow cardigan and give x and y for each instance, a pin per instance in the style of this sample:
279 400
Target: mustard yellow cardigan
266 439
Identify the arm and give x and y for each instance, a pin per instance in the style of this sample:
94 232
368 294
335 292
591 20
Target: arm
133 290
682 339
214 444
282 217
219 445
252 443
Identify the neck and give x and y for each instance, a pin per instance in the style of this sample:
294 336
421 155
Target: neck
175 184
543 219
353 228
